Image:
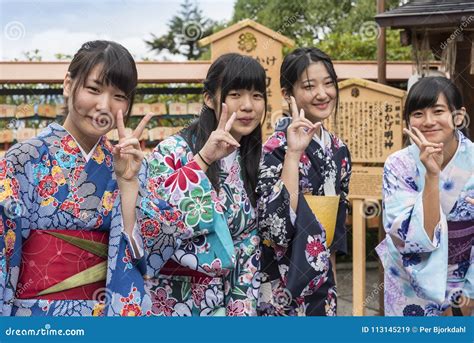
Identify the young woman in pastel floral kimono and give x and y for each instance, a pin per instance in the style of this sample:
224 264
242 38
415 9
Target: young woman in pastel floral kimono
209 172
302 157
428 213
74 242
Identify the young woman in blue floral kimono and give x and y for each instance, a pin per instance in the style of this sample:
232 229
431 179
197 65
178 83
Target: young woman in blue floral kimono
209 172
76 237
428 213
302 157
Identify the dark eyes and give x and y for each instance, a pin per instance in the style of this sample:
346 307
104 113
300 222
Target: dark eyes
121 97
237 94
93 89
96 90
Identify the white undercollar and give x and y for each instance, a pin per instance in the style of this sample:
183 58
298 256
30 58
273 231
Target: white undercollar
88 156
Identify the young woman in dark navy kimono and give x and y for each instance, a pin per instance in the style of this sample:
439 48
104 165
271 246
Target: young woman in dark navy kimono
302 157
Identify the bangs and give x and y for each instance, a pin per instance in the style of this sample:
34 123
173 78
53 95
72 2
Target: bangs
421 97
425 93
244 73
118 70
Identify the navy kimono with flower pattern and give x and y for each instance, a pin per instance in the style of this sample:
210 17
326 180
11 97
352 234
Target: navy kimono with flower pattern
297 273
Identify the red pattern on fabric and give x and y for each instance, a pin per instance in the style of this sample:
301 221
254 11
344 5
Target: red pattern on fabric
47 260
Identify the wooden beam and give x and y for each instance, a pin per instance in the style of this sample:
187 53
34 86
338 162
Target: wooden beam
186 72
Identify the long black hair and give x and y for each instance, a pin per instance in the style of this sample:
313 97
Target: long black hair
118 68
298 61
425 93
230 72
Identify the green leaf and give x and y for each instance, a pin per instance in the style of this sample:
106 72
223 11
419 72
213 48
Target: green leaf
238 291
185 289
93 274
96 248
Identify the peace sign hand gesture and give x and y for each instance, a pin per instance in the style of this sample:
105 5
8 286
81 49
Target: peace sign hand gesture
431 154
301 130
128 155
220 143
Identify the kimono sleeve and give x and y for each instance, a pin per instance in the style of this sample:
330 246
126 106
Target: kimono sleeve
159 229
339 243
174 176
245 278
12 209
403 209
424 260
274 208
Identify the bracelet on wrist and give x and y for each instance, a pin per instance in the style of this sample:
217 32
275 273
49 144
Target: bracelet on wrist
202 159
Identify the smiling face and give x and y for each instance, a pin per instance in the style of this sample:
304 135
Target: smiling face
249 105
92 110
315 92
436 122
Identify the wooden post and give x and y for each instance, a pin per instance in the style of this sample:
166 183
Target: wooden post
358 258
381 270
381 48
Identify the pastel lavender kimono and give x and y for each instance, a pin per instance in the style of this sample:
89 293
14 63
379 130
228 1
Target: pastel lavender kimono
422 276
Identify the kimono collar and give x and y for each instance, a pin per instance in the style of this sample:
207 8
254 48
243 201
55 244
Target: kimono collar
325 139
87 156
455 174
228 161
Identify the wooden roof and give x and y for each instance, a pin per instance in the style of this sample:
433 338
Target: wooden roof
247 23
429 13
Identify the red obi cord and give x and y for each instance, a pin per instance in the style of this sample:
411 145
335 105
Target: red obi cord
47 260
173 268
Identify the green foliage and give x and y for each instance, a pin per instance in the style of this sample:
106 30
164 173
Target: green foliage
345 29
356 46
184 31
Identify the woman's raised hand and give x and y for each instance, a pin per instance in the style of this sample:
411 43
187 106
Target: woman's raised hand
300 133
220 143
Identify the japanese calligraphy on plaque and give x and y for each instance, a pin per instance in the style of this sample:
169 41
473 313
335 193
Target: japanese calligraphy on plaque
369 119
366 182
